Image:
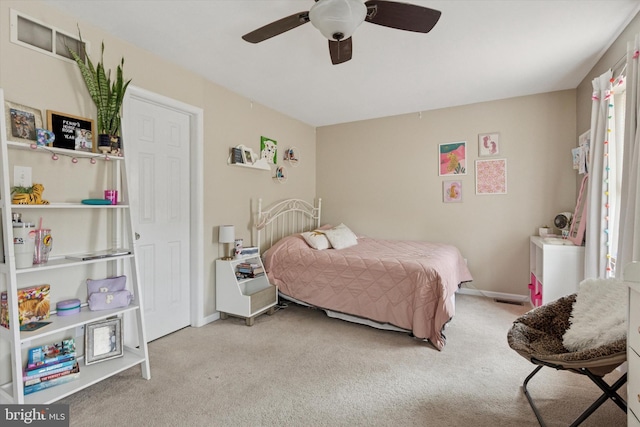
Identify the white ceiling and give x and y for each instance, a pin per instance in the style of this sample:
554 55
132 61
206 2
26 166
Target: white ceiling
479 51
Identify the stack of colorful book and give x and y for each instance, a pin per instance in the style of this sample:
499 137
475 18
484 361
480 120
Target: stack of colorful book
50 365
247 270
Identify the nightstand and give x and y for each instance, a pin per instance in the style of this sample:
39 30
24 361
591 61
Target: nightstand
243 289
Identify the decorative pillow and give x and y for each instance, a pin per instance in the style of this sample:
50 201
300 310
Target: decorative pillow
599 315
341 237
316 239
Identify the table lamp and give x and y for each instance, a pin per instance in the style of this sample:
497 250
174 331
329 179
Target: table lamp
226 235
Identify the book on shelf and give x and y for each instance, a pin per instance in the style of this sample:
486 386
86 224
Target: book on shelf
73 374
248 270
63 369
51 354
30 374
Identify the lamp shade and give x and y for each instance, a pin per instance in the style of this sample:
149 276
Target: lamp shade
337 19
227 234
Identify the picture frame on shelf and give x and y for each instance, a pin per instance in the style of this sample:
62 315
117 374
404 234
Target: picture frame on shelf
248 155
488 144
72 132
22 122
103 341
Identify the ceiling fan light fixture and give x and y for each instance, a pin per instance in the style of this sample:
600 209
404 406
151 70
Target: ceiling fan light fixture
337 19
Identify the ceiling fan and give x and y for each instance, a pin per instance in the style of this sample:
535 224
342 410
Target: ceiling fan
338 19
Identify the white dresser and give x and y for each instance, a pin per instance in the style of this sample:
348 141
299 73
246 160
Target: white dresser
632 279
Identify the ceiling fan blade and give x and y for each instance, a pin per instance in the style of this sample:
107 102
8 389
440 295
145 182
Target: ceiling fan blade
402 16
277 27
340 51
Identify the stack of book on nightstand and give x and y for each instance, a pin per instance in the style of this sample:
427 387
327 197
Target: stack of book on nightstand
248 270
50 365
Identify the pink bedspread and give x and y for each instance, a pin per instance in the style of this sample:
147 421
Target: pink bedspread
404 283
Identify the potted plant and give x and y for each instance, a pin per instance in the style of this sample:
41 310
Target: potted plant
107 95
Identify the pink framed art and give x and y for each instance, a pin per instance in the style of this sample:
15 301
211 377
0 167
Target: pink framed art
453 158
491 176
452 191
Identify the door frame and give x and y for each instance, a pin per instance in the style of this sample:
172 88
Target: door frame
196 176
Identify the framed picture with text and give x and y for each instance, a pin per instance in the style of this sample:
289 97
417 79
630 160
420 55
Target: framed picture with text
72 132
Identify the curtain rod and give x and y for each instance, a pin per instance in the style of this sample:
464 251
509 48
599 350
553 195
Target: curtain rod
619 63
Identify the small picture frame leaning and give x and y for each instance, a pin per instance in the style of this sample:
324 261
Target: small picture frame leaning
21 122
103 341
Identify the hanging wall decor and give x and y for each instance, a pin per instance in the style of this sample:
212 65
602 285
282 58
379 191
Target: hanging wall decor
453 158
491 176
269 150
488 144
452 191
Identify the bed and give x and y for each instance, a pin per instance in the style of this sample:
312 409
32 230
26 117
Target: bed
390 284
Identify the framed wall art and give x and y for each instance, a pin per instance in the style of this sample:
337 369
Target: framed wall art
488 144
269 150
453 158
452 191
21 122
491 176
72 132
103 341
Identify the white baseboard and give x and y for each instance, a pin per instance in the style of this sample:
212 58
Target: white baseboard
495 295
207 319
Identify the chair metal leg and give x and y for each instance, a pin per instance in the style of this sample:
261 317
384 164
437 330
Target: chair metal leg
528 396
609 392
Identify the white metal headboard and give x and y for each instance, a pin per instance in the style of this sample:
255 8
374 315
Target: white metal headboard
283 219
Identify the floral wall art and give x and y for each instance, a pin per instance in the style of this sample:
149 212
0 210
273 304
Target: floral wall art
453 158
491 176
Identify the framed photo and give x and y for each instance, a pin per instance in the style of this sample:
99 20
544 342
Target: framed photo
491 176
488 144
452 158
248 155
72 132
452 191
103 341
22 122
269 150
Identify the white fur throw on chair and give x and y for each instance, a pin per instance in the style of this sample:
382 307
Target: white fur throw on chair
599 315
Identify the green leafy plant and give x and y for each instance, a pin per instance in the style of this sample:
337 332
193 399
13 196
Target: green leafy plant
22 190
106 94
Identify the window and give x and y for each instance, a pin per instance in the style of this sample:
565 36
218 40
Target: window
36 35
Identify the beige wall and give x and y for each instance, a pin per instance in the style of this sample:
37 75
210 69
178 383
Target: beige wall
380 177
42 82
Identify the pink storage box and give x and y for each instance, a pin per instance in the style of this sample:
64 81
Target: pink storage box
68 307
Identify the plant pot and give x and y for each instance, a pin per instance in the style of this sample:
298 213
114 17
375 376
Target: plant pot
109 144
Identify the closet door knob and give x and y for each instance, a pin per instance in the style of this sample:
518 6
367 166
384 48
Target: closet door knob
138 238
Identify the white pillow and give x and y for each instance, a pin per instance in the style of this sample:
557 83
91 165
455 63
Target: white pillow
316 239
599 315
341 237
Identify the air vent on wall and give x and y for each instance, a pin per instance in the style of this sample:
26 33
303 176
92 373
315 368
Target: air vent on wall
39 36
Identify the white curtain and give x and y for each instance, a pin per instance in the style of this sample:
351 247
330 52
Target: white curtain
629 238
595 237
